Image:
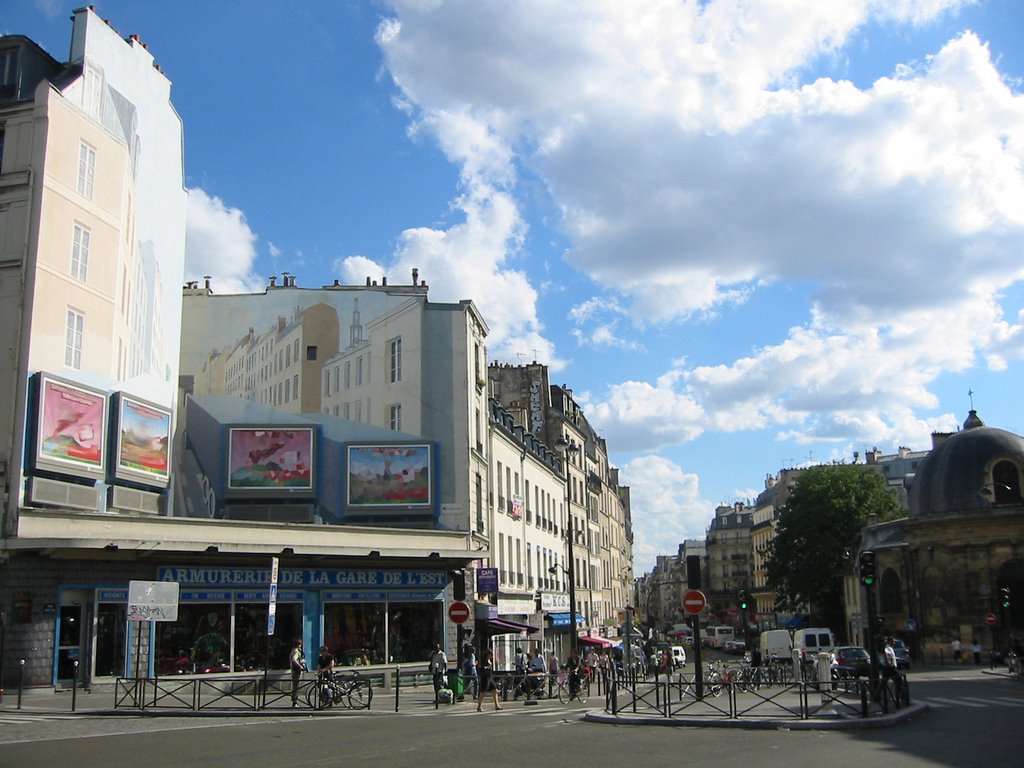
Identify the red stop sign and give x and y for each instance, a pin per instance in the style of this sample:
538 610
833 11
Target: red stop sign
990 619
694 602
458 612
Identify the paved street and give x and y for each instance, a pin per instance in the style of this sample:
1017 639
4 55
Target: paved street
972 717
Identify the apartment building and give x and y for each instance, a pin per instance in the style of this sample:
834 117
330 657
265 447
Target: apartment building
92 247
600 549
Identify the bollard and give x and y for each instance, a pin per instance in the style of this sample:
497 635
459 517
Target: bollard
398 684
74 687
21 681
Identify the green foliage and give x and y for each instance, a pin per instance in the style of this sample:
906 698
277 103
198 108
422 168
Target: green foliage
821 519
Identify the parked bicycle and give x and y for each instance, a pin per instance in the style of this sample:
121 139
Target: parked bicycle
329 690
717 677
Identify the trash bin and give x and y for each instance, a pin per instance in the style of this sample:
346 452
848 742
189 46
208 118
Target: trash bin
455 682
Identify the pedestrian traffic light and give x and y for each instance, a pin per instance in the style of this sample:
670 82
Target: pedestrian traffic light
1004 597
867 568
743 599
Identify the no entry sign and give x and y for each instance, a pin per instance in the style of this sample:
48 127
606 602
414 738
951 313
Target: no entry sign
694 602
458 612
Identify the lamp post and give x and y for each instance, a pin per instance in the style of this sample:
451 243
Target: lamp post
568 448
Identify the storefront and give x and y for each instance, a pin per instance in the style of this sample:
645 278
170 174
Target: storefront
364 616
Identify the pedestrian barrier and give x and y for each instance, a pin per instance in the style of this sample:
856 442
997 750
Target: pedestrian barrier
732 694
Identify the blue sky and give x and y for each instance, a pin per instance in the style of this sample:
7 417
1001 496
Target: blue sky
749 237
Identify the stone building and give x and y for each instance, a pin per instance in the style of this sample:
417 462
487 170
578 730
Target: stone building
940 570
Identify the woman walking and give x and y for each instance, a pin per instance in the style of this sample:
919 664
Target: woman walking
486 673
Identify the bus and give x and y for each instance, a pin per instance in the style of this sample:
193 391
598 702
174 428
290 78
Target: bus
716 637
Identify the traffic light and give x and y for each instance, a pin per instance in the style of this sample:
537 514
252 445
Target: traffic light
693 571
1004 597
743 599
867 568
458 585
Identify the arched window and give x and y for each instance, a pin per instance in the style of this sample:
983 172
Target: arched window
890 592
1006 482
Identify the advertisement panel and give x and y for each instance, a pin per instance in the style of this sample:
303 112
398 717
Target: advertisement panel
71 428
142 449
268 461
389 475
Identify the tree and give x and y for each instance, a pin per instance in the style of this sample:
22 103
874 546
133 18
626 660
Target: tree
825 512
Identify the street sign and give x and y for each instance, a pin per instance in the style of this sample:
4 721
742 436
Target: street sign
458 612
694 602
990 619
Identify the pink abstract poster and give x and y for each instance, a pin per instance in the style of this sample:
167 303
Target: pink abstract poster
71 425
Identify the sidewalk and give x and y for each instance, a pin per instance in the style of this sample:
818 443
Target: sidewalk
47 701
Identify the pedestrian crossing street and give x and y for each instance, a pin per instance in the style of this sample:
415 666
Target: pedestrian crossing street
971 702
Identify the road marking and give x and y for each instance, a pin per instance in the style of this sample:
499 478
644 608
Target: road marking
955 702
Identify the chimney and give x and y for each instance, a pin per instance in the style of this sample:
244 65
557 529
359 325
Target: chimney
367 281
207 278
384 280
415 275
273 281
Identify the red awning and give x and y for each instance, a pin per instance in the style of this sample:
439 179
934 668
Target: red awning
598 641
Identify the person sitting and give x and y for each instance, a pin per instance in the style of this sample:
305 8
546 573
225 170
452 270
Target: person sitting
325 662
536 673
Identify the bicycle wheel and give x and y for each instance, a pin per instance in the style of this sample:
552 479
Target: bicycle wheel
715 684
319 695
563 693
583 694
357 698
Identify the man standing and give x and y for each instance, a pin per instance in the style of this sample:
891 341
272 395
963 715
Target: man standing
438 668
957 648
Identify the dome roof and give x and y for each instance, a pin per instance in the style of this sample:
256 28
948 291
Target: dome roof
957 476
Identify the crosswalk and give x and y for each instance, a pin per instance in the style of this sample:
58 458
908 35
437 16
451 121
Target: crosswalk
971 702
15 716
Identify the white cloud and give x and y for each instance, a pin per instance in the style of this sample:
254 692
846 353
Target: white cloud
694 161
219 243
672 507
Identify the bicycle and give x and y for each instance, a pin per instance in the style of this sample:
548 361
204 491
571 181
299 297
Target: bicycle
329 689
565 687
718 676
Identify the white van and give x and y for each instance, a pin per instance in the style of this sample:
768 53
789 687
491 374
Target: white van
812 641
776 644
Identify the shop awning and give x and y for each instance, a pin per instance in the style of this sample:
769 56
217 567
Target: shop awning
505 626
598 641
564 619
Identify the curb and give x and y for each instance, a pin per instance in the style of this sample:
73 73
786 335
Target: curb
815 724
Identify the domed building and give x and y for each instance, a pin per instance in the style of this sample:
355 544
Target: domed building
942 570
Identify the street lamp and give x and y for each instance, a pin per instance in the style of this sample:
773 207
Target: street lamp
567 448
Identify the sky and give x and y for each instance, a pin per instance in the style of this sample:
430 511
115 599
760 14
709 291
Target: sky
748 234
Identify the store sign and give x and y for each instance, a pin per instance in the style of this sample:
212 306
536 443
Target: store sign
486 581
198 576
555 602
152 601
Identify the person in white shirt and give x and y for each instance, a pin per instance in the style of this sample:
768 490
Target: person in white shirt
438 668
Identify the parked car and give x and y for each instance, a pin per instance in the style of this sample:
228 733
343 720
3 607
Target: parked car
735 647
849 661
902 654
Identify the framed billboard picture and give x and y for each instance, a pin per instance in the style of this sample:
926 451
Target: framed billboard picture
143 441
389 476
270 460
71 428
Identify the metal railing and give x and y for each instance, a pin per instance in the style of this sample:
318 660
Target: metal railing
732 696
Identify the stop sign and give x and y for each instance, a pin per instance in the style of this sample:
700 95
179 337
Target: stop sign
458 612
694 601
990 619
